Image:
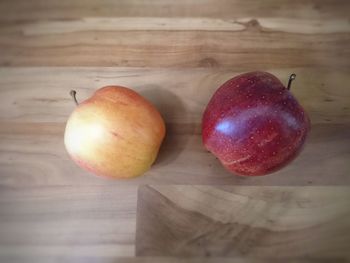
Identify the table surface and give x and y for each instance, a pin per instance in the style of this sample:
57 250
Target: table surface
175 54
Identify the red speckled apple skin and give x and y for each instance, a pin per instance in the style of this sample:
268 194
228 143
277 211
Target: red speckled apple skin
254 125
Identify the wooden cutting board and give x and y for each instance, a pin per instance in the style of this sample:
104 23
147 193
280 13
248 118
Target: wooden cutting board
176 54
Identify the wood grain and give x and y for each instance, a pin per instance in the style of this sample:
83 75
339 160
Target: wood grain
78 221
249 221
82 259
37 94
40 160
164 34
17 10
34 105
175 53
252 45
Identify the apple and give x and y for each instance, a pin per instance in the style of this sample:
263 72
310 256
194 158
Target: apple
254 125
116 133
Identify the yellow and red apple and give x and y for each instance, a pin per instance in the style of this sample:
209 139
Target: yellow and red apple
116 133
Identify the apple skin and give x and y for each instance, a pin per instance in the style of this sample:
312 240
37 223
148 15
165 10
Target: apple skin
254 125
116 133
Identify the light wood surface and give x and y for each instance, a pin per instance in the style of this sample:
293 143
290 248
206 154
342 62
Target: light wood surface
55 221
35 103
243 223
175 53
132 42
47 259
192 34
236 221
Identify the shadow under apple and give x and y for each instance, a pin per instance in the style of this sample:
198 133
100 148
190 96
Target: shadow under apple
177 120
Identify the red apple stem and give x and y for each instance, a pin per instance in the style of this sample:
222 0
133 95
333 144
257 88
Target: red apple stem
73 93
291 78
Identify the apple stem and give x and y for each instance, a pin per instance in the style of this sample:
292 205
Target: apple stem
291 78
73 93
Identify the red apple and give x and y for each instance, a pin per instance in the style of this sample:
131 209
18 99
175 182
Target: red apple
254 125
116 133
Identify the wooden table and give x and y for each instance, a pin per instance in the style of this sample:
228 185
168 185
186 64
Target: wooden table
175 53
